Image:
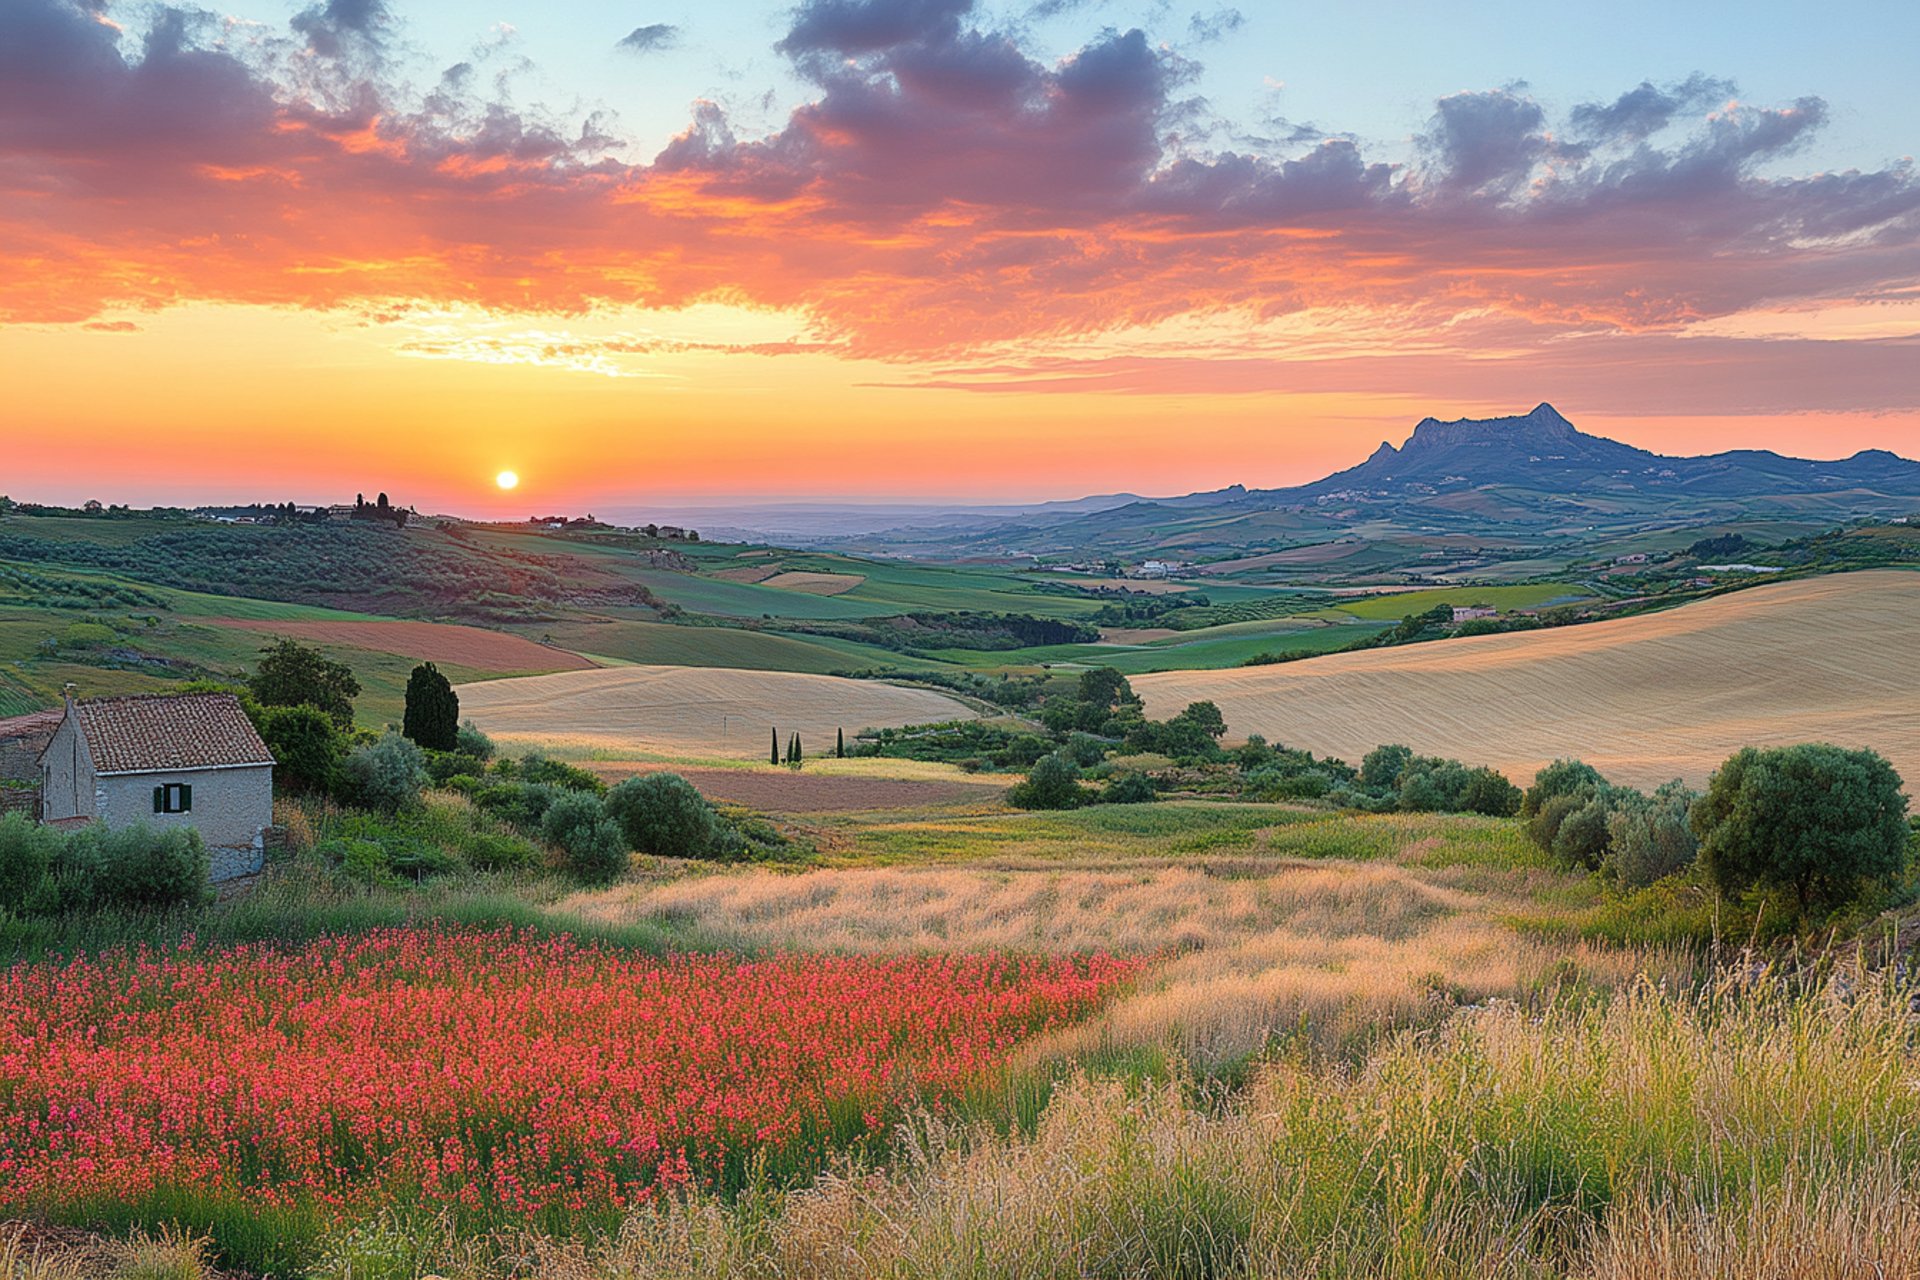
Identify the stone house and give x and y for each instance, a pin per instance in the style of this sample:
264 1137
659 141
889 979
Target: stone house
22 739
187 761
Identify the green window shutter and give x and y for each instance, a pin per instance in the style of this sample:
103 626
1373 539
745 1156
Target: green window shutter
159 799
186 797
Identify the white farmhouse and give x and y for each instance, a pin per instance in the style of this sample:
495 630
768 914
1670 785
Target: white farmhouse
187 761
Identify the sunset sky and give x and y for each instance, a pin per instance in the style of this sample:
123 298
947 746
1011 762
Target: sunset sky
667 252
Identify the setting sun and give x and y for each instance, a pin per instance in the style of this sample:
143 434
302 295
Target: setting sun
507 480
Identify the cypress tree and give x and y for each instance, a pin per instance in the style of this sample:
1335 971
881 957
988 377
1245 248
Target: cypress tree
432 717
840 744
775 757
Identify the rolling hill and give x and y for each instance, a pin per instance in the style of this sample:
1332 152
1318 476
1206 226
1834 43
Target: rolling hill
705 712
1644 698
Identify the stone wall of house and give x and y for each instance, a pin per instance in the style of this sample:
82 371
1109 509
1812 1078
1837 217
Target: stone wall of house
20 757
231 807
229 862
20 800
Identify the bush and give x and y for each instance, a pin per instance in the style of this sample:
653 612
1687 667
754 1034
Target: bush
1085 750
388 774
1490 792
307 747
592 847
1129 788
1650 838
291 674
27 852
534 767
1820 821
469 741
1382 767
522 804
662 813
1561 778
135 866
1053 783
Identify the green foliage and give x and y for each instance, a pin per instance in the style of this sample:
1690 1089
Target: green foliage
432 716
1561 778
1820 821
46 872
290 674
27 852
1383 765
593 849
1490 792
534 767
1128 788
523 804
470 741
1649 836
1053 783
388 774
306 744
662 813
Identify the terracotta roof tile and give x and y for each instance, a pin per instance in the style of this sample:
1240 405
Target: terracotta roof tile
156 732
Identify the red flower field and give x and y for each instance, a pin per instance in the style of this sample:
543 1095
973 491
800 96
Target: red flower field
491 1071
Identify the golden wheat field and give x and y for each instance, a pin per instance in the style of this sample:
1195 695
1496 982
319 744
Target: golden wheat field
694 711
1643 699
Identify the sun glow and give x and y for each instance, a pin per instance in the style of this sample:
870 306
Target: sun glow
507 480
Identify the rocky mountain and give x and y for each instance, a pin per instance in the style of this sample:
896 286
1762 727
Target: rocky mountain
1543 452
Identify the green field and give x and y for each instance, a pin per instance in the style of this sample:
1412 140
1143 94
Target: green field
1391 608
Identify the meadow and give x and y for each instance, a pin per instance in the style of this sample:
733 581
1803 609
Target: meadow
1644 699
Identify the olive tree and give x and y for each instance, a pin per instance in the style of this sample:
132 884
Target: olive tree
1819 821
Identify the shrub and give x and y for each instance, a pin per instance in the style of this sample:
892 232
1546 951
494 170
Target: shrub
444 766
662 813
306 745
469 741
26 858
363 861
1382 767
523 804
1053 783
1585 833
1129 788
534 767
1820 821
1649 836
388 774
1490 792
135 866
1561 778
592 848
1085 749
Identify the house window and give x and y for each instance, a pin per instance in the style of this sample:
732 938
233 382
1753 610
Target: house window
174 797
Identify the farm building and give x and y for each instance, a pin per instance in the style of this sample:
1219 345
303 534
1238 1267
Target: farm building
188 761
1469 613
22 739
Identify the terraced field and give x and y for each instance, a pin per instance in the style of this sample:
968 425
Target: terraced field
699 712
1644 699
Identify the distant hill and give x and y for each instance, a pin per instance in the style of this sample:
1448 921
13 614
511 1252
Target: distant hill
1490 496
1544 452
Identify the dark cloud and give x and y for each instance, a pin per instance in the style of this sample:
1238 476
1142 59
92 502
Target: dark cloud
651 38
340 28
1641 112
853 27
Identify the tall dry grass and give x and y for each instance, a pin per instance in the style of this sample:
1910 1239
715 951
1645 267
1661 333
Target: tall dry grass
1662 1137
1258 949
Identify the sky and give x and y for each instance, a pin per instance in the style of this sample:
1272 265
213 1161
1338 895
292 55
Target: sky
675 253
